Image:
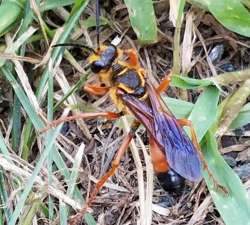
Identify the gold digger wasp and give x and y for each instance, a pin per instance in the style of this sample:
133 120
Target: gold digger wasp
175 156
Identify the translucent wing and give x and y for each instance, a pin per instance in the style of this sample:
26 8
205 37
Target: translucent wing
171 138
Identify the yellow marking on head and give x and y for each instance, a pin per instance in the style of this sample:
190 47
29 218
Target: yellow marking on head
96 56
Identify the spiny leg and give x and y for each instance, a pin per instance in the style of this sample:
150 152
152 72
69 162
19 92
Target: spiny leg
76 219
54 123
188 123
96 89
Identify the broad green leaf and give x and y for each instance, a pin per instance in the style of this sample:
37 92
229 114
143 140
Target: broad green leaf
203 115
204 111
9 13
142 19
180 108
189 83
234 207
232 14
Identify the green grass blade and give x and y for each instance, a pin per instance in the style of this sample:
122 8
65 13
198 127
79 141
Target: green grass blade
37 122
57 52
189 83
65 171
142 19
4 197
3 148
63 213
49 146
79 83
234 207
204 111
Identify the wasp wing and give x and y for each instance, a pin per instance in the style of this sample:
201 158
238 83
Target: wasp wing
172 139
181 154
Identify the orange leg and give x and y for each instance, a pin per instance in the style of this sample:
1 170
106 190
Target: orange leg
186 122
96 89
76 219
163 86
132 57
54 123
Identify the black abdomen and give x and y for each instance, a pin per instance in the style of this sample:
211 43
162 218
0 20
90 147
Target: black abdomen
170 180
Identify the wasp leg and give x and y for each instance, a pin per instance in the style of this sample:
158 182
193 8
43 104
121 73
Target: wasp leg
188 123
76 219
168 178
163 86
54 123
96 89
132 57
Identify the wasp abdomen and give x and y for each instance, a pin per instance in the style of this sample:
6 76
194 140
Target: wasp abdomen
170 180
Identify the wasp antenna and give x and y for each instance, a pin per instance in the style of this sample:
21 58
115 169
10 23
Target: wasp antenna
98 23
75 45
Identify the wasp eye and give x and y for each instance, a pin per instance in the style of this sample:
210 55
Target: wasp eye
97 66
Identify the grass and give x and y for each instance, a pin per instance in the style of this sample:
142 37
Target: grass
47 176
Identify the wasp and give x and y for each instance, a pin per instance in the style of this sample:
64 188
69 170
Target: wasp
175 156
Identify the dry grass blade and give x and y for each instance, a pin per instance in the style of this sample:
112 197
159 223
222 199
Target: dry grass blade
173 11
200 213
149 183
236 148
209 62
139 170
47 56
38 14
233 107
160 210
232 77
188 44
62 81
19 58
40 183
26 86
